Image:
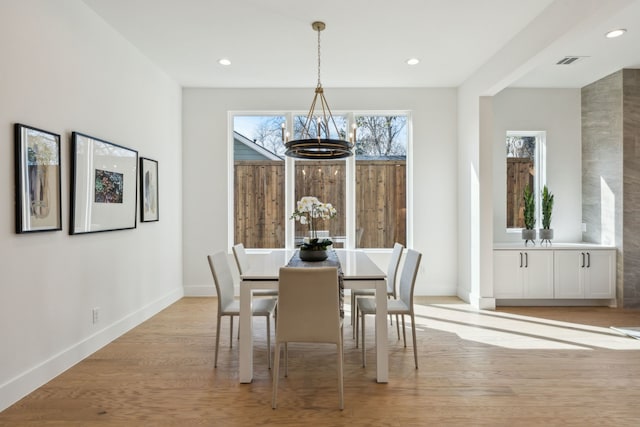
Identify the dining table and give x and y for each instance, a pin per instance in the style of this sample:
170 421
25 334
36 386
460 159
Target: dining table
358 272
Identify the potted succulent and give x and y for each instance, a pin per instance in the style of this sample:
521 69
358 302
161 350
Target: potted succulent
546 233
528 232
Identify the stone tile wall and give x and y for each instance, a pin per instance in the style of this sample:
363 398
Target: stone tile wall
631 192
611 174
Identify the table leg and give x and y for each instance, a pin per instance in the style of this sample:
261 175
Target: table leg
382 344
246 334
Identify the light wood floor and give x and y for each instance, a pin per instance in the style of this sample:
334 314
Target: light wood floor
512 366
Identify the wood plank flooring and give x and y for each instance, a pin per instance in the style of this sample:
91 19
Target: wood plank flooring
513 366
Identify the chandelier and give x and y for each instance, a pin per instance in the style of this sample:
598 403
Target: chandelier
319 138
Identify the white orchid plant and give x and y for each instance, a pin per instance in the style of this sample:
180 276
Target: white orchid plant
311 211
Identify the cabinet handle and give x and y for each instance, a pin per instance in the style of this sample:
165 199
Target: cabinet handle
588 259
520 259
526 259
582 253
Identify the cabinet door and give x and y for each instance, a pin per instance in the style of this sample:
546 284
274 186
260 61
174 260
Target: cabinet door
538 274
569 268
600 280
507 274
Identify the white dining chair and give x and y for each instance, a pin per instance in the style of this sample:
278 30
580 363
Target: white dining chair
392 273
309 312
243 263
229 306
401 306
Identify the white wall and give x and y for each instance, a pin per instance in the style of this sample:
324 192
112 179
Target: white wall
64 70
536 45
557 112
205 155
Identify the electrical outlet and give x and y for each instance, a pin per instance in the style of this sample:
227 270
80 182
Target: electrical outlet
584 227
96 314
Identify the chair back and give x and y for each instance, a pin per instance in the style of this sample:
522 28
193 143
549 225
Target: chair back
308 305
242 260
392 269
408 276
222 278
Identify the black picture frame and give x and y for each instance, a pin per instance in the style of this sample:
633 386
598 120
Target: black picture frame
149 204
104 185
37 176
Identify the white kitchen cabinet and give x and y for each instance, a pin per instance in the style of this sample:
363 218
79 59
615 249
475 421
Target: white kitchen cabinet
523 274
588 273
562 271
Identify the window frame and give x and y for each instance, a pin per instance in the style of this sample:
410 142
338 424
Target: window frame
350 170
540 176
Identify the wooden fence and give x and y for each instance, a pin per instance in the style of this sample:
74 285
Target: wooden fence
260 213
519 174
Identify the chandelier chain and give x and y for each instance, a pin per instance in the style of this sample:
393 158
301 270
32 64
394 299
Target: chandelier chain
311 143
319 84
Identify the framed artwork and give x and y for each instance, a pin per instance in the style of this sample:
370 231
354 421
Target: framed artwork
103 185
37 169
148 190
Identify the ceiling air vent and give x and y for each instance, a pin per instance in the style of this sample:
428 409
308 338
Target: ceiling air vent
568 60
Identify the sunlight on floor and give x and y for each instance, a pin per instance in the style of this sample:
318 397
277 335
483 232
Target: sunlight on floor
516 331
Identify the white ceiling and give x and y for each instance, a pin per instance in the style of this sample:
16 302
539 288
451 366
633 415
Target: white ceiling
366 42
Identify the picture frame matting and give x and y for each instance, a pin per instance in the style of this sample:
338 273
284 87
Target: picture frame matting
37 176
149 205
104 185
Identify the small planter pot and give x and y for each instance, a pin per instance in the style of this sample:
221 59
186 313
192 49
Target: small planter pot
529 235
546 234
313 255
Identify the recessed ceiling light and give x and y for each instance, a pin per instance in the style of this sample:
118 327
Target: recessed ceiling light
615 33
224 61
413 61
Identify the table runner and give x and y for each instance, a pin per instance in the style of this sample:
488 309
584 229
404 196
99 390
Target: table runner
331 261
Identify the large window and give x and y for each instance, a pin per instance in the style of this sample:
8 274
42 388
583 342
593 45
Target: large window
381 153
525 152
324 179
259 182
368 190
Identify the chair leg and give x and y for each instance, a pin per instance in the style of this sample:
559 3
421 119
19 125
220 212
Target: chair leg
230 331
398 326
268 339
286 359
215 363
415 349
364 362
340 375
276 370
404 335
353 311
357 322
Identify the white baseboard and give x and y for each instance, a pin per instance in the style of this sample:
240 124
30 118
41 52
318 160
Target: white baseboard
200 291
481 303
26 382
